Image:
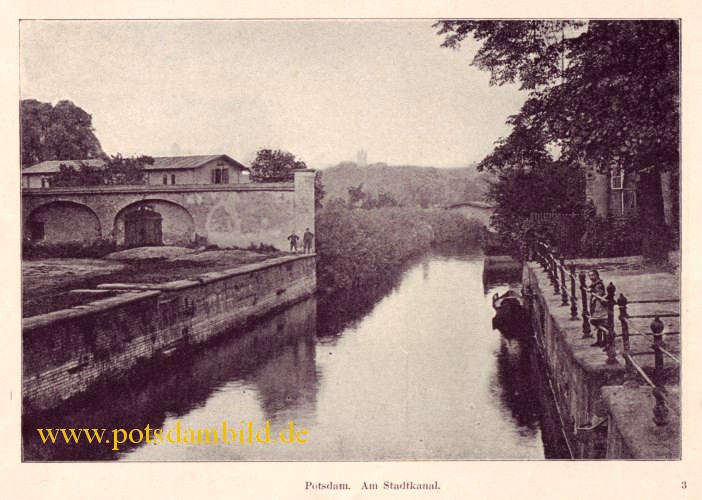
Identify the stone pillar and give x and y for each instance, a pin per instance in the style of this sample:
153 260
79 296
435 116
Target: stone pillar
304 201
597 190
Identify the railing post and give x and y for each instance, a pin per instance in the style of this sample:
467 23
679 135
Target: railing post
587 333
660 411
623 315
573 295
554 275
611 348
542 257
564 290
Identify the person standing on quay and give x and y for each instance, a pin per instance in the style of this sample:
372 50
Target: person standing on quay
598 311
293 241
307 239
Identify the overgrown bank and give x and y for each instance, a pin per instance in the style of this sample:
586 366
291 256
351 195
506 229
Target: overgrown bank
358 247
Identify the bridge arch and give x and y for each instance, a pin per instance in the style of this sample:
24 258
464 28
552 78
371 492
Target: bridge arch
62 222
153 222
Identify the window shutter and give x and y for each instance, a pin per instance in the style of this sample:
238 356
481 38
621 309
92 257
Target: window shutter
225 176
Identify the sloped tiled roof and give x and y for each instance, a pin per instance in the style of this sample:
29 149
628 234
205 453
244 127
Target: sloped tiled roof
188 162
52 166
160 163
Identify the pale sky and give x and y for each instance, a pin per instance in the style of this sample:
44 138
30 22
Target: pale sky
319 89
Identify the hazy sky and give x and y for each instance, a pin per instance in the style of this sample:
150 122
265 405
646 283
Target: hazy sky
319 89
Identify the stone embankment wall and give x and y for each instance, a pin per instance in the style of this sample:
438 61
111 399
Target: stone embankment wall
577 372
66 352
606 409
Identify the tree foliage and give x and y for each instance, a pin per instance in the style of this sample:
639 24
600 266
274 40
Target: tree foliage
607 92
410 186
275 166
603 93
61 132
319 191
358 198
359 248
116 170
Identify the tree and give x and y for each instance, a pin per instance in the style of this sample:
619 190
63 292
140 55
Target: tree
115 171
605 92
61 132
356 195
275 166
319 191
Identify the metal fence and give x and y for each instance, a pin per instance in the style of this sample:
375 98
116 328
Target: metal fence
564 231
570 284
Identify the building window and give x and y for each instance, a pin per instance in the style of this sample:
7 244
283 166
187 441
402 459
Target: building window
173 179
46 182
36 230
220 176
617 178
165 178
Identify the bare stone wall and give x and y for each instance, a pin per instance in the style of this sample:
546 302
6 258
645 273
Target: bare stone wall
597 190
224 215
66 222
66 352
576 384
177 224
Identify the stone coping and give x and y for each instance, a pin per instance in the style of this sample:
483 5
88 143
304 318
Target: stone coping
592 359
205 278
133 292
630 410
171 188
74 312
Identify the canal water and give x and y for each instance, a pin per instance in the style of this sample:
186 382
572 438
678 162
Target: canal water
411 371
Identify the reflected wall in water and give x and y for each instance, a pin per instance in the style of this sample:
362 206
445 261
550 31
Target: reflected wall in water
277 356
407 369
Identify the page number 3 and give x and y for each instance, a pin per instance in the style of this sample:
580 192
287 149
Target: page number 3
684 485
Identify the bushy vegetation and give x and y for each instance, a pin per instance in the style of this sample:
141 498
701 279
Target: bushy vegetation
358 247
614 237
408 185
115 171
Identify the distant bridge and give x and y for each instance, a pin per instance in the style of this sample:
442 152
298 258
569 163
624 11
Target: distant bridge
474 210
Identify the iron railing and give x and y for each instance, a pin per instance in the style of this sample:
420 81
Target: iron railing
566 281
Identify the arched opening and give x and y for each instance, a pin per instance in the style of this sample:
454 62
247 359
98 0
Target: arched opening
62 222
153 223
142 228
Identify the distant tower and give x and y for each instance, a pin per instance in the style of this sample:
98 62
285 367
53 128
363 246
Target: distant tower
362 158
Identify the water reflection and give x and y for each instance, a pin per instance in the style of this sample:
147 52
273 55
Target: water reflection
276 358
408 369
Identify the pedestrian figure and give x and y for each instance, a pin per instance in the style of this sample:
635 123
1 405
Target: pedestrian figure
307 239
598 308
293 241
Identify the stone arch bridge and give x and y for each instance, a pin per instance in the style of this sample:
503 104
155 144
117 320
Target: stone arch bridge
224 215
474 210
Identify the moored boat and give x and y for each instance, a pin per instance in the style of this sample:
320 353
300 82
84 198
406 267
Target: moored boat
509 312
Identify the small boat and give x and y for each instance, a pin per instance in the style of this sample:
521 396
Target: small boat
509 312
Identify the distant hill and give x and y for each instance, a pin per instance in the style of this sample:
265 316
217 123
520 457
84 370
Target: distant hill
409 185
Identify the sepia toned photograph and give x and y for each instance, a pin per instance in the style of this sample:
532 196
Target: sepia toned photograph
350 240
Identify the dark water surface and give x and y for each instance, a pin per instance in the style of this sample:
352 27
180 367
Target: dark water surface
411 371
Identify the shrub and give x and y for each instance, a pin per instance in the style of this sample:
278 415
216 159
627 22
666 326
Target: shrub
357 247
615 237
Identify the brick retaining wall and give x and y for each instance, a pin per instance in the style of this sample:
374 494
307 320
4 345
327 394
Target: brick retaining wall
66 352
